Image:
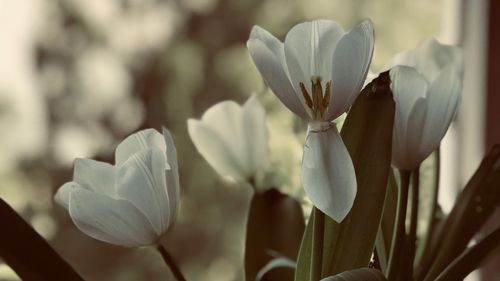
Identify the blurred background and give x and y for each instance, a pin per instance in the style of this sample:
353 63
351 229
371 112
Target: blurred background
77 76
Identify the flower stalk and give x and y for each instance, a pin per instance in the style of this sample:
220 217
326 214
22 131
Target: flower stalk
412 235
425 244
169 261
399 227
318 233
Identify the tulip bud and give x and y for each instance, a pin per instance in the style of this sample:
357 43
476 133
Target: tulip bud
131 203
232 138
427 85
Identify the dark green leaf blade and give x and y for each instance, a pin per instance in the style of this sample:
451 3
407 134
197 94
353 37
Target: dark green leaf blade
472 258
275 224
27 253
367 134
473 207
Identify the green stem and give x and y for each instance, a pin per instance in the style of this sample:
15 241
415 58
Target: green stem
399 227
317 255
412 235
171 263
425 246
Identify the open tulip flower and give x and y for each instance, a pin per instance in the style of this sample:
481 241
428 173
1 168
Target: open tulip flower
232 138
317 73
132 203
427 84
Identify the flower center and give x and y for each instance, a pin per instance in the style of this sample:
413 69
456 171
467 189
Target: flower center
318 102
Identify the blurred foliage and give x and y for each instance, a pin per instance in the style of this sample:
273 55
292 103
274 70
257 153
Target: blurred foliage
107 68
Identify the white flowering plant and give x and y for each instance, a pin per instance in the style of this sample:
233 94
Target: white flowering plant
363 225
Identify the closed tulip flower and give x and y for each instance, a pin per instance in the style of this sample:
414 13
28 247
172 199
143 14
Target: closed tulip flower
132 203
232 138
317 73
427 85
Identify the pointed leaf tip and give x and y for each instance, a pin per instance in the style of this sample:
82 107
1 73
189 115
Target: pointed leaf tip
379 87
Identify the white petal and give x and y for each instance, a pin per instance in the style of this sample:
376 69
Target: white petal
430 57
409 88
328 174
226 119
442 101
172 174
256 134
350 64
94 175
309 46
272 43
138 141
63 193
267 56
407 148
115 221
214 150
141 180
171 151
369 78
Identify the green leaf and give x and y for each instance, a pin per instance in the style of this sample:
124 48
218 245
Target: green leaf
304 259
360 274
384 236
472 258
473 207
275 226
27 253
367 134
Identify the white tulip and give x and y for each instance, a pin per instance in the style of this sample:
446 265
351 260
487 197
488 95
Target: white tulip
317 73
132 203
232 138
427 85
